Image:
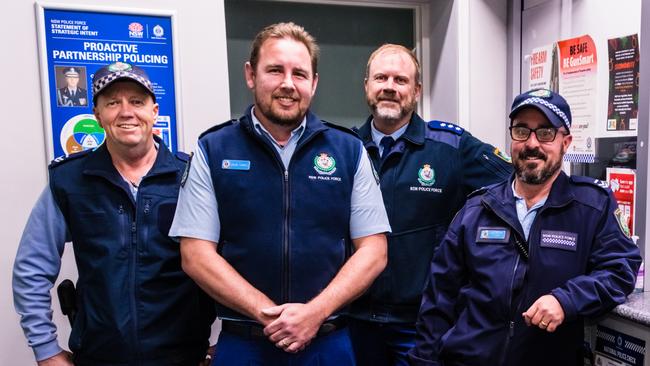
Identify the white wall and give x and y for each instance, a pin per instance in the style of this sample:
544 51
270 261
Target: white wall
469 61
204 88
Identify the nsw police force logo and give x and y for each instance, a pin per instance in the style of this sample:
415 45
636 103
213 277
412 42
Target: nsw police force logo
324 164
426 175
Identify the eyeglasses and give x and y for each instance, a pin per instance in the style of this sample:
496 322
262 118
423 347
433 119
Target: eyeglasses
543 134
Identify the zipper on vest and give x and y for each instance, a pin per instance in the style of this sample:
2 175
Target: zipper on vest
134 258
285 240
511 323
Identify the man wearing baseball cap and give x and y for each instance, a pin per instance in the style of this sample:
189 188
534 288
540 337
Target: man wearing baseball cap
526 260
134 304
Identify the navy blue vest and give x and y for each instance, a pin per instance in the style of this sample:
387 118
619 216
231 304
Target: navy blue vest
134 301
287 232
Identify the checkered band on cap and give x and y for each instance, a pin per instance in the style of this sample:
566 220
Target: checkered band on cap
558 112
100 83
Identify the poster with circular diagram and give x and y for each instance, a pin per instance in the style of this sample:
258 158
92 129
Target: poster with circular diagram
81 132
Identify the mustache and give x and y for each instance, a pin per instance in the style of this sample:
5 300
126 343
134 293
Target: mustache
285 95
532 153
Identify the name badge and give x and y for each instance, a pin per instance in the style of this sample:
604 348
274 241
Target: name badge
493 235
559 240
236 164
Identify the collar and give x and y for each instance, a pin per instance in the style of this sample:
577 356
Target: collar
537 205
378 135
99 163
413 133
259 127
311 124
501 196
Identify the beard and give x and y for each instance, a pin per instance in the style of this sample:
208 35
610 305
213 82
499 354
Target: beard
528 172
278 116
388 114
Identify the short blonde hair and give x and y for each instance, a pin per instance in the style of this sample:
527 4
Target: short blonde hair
285 30
395 48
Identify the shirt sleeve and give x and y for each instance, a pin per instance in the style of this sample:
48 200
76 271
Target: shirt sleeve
36 268
368 214
197 214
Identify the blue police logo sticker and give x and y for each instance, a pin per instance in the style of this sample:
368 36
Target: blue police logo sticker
426 175
324 164
541 93
622 220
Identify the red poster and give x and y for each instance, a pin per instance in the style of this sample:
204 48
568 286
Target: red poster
622 181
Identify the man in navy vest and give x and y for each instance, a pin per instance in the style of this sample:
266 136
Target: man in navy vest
281 218
426 171
134 303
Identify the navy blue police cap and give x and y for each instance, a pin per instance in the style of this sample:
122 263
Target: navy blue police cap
551 104
71 72
116 71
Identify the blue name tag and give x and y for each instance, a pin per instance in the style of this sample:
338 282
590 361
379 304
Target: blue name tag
236 164
493 234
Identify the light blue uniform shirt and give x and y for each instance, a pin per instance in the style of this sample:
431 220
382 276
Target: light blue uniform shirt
377 136
526 216
286 151
197 214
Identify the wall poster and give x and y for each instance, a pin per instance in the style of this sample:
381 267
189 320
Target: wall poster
75 41
623 104
578 72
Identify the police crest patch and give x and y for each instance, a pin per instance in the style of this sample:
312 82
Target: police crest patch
426 175
324 164
503 156
622 219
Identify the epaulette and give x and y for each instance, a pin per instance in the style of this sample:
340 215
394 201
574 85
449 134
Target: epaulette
182 156
342 128
591 181
477 192
64 159
446 126
217 127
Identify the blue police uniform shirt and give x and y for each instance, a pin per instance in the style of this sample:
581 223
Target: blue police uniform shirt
378 135
43 242
286 151
525 215
197 210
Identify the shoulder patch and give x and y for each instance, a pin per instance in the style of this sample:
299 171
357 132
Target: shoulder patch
622 220
182 156
350 131
446 126
217 127
590 181
64 159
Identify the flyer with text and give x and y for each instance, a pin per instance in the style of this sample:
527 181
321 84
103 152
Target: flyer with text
78 43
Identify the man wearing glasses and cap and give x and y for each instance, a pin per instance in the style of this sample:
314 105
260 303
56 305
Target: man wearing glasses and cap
72 95
134 303
526 260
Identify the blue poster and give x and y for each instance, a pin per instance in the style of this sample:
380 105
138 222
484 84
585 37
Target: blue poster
78 43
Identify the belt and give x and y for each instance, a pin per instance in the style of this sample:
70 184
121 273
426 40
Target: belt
254 330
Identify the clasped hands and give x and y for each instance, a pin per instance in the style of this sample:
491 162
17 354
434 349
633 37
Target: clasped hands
292 326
